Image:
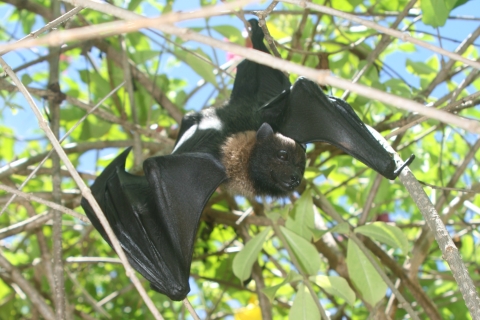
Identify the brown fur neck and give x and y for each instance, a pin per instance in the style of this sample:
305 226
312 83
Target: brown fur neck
235 157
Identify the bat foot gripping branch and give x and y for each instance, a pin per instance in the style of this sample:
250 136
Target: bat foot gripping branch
410 159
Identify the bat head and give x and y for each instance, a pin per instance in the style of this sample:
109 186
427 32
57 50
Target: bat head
277 163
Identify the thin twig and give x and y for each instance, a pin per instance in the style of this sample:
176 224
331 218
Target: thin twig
50 204
25 225
49 26
117 27
188 305
263 24
30 176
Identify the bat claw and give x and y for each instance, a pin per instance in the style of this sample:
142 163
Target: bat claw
397 172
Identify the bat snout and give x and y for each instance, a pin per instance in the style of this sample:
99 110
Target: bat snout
295 180
291 182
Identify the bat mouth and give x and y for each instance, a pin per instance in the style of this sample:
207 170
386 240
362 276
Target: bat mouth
287 184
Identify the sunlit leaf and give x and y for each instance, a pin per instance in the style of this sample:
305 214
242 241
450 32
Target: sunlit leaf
364 276
336 286
385 233
243 262
303 220
303 307
232 33
435 12
304 251
198 61
271 291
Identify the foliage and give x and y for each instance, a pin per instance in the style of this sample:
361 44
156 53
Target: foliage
166 70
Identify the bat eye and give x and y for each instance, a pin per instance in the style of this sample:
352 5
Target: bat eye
282 155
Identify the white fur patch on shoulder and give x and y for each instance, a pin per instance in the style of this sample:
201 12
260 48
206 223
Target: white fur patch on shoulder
187 135
210 120
210 123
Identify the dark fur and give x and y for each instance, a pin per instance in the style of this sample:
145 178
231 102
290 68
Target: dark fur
276 163
262 163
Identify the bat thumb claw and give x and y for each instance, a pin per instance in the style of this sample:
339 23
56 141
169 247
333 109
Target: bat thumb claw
397 172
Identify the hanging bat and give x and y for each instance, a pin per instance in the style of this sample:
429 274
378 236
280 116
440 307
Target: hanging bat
253 144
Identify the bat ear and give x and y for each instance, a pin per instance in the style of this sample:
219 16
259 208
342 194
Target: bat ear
264 132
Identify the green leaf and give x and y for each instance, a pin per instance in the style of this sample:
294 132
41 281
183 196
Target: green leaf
273 215
317 234
311 173
7 145
271 291
26 79
142 56
339 228
342 227
244 260
304 251
364 276
398 87
303 220
293 277
304 307
419 68
336 286
460 3
284 212
28 20
199 65
385 233
407 47
94 128
133 4
435 12
233 34
326 172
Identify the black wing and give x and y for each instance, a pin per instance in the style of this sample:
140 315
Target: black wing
155 217
304 113
255 82
312 116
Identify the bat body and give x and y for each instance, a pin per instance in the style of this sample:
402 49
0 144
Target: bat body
253 144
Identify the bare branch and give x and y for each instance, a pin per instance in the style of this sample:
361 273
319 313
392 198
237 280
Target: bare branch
50 204
25 225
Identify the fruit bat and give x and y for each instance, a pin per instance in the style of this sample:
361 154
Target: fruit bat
254 145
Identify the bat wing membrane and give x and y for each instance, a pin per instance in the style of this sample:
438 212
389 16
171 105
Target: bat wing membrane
256 83
312 116
156 217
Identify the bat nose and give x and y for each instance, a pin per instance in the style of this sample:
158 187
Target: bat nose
295 180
